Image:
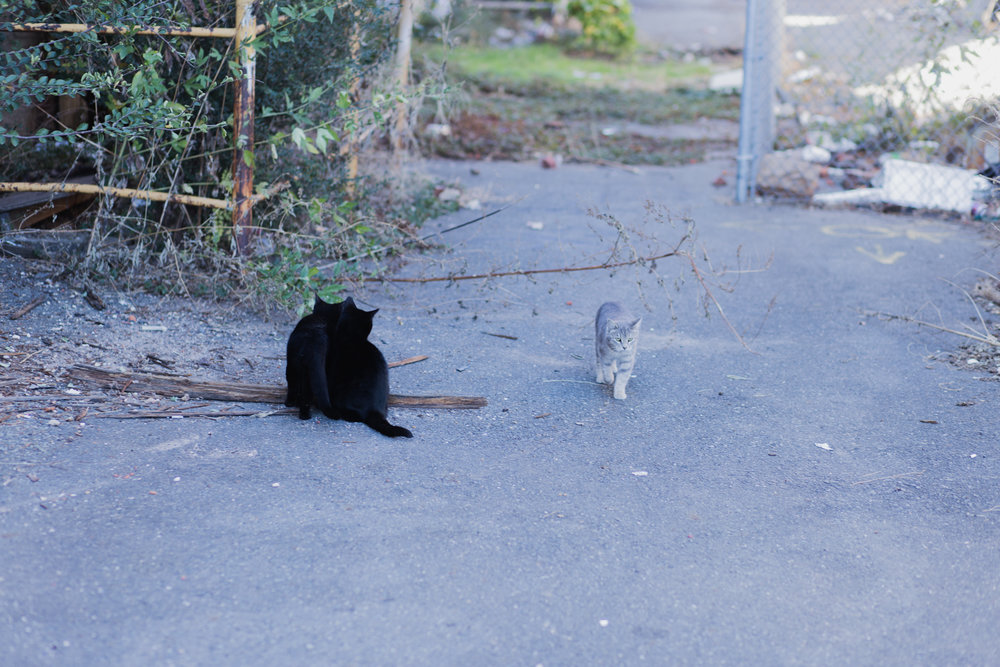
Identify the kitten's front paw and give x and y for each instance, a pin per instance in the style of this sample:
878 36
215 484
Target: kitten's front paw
620 393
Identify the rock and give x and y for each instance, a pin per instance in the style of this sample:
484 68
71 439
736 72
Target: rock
785 173
826 140
449 194
816 154
435 130
551 161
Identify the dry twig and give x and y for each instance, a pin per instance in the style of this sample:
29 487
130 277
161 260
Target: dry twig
988 339
24 310
532 272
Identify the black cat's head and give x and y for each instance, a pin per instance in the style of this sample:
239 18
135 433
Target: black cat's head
330 311
354 321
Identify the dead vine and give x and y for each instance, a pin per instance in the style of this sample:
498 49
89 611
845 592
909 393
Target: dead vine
625 253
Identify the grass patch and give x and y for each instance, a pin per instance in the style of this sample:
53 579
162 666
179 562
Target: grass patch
518 103
537 65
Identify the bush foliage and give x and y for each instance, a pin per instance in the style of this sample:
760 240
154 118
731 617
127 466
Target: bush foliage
154 112
608 27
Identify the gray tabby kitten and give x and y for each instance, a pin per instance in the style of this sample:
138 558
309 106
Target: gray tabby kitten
615 339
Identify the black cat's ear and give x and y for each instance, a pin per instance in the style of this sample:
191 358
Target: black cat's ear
349 302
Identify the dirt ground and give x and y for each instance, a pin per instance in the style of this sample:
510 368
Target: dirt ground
132 332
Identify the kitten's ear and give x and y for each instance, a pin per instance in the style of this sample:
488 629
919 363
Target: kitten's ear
636 323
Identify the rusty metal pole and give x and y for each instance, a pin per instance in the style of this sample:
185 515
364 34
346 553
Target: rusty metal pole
243 156
351 147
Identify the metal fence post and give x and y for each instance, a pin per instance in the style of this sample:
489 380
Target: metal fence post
762 50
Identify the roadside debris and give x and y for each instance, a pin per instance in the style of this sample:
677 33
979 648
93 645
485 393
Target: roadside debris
830 178
551 161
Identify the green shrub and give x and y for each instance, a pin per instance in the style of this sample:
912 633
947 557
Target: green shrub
608 27
159 117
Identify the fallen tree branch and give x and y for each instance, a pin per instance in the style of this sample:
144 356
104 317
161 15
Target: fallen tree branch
209 414
530 272
171 385
718 306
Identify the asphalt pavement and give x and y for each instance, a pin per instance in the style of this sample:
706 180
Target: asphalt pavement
696 25
821 489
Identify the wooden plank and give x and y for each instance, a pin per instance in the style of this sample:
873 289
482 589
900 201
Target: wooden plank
27 209
19 200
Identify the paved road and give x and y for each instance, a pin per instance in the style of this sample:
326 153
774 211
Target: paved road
690 24
697 522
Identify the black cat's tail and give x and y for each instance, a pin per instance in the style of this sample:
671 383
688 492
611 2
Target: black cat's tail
382 425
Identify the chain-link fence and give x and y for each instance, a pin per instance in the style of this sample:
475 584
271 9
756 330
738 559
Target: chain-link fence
883 103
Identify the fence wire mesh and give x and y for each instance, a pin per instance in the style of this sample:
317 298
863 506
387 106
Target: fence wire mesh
891 103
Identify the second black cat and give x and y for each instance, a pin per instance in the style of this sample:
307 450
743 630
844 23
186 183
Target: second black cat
357 374
306 367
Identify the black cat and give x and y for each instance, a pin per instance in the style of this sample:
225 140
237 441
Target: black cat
357 374
306 367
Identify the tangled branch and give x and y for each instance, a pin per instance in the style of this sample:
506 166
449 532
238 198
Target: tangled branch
623 253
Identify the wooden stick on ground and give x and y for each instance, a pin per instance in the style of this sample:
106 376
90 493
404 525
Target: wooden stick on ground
173 385
24 310
407 362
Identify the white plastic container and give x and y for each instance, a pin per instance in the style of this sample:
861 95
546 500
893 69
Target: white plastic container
932 186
